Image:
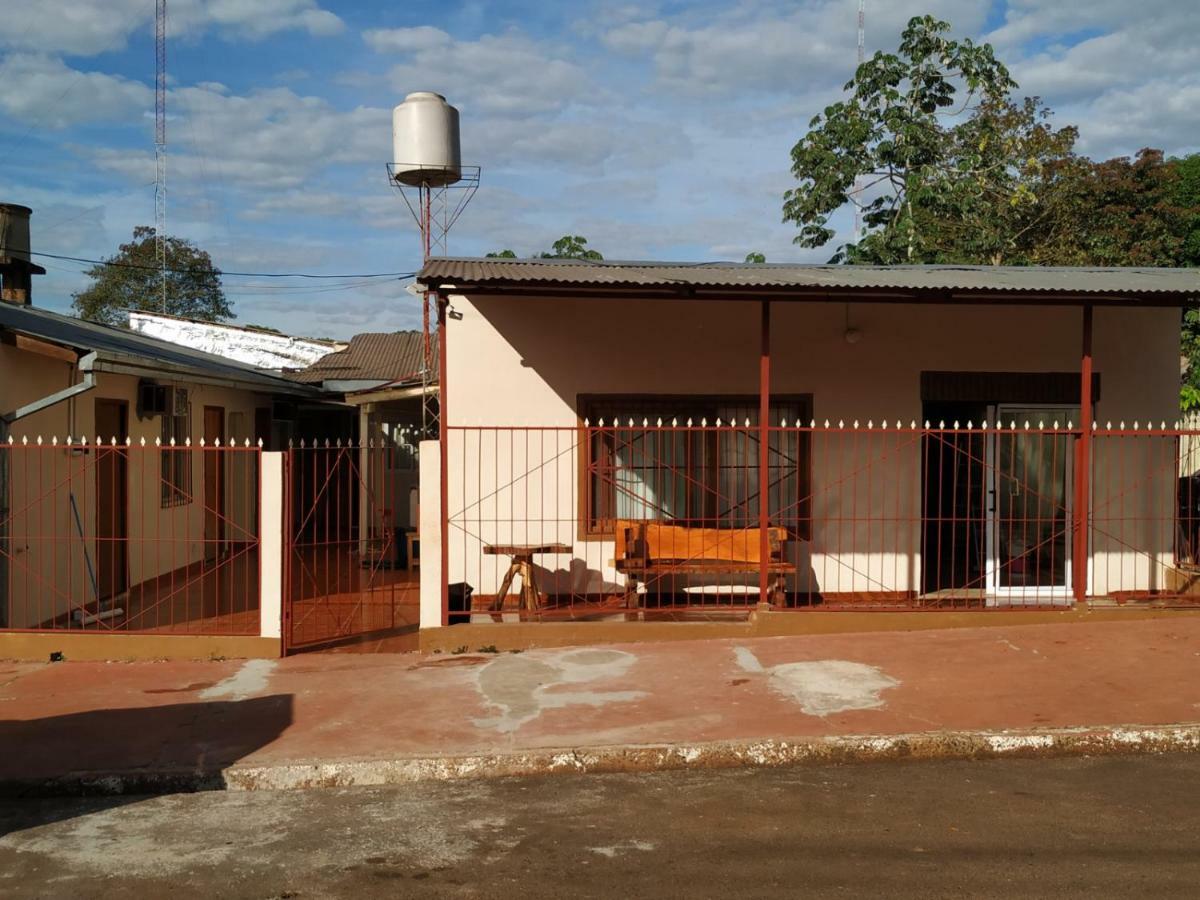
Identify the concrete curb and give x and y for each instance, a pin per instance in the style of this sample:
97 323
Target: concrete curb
961 745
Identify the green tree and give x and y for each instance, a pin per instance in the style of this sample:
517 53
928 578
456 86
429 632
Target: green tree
569 246
1006 191
131 280
756 257
890 134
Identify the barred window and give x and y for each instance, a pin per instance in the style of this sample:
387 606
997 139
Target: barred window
698 477
176 461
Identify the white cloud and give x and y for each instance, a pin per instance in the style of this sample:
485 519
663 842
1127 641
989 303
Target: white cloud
770 48
82 28
1126 74
506 74
42 90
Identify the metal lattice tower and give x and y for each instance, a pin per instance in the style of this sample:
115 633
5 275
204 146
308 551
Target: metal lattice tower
862 54
160 143
435 208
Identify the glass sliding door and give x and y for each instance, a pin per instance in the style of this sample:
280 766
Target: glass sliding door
1030 506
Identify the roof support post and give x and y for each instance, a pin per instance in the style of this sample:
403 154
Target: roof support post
764 435
444 484
1083 464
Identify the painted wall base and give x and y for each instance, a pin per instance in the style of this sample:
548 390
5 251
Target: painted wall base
97 647
529 635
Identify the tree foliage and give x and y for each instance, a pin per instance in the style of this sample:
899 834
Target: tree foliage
890 133
984 179
130 280
755 257
569 246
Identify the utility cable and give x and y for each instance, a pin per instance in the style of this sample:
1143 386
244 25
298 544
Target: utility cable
214 270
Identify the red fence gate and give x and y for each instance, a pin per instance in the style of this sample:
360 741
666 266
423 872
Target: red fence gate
348 570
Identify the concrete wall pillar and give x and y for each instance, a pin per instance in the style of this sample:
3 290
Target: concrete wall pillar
270 545
431 535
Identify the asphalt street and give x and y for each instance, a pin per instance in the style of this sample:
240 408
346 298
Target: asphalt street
1103 827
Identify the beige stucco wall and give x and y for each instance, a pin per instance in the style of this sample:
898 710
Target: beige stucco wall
523 362
49 570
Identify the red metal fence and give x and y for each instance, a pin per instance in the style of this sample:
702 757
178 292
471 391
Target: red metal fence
108 536
350 511
662 518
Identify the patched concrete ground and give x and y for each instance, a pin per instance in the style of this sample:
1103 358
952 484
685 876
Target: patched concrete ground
1094 828
343 719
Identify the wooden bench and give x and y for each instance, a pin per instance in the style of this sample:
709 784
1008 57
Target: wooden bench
651 550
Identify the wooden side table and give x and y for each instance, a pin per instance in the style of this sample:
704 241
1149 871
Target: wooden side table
522 564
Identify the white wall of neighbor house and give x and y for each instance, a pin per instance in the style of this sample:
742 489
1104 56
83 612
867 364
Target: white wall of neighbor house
524 361
49 570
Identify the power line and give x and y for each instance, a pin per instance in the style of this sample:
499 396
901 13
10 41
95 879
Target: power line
121 265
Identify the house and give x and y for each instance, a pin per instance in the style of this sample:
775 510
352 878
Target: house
929 438
129 479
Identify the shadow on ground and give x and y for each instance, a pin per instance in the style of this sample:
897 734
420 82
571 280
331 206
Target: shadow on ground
174 748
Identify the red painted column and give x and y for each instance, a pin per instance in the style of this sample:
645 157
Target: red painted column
1083 465
764 408
444 473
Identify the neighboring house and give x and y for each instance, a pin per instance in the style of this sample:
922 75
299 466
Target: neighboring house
378 376
129 478
607 417
257 347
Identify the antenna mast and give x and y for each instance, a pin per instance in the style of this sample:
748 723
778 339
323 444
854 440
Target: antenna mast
160 143
862 53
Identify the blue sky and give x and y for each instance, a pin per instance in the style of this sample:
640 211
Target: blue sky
659 130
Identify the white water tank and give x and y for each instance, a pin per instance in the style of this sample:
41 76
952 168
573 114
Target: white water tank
425 148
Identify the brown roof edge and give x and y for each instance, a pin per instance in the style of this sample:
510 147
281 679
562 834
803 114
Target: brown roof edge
931 284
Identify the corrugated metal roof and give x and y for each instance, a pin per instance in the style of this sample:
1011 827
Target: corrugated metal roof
542 273
120 343
391 356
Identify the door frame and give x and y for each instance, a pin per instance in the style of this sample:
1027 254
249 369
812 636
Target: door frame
115 547
995 594
215 545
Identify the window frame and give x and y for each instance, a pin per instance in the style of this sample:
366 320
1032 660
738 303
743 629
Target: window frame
591 407
175 465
